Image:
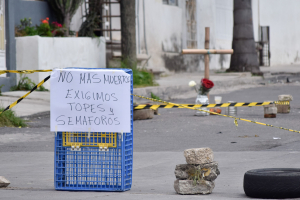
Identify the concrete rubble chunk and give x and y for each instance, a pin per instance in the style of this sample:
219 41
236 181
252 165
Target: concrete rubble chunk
199 155
143 114
189 187
185 171
285 97
270 111
283 108
4 182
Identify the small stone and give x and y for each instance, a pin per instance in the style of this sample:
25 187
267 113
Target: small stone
199 155
285 97
143 114
189 187
4 182
183 171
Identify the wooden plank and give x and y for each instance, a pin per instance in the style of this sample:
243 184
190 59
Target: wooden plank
207 51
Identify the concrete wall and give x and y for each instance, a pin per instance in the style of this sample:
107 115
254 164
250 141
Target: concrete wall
34 52
216 14
163 30
77 19
283 19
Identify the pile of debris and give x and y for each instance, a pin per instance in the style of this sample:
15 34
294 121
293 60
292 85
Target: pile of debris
198 175
3 182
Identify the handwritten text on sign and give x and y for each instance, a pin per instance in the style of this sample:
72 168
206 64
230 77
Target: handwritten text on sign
85 100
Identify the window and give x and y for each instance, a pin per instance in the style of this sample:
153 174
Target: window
171 2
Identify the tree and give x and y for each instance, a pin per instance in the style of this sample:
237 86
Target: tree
65 10
128 40
244 57
93 21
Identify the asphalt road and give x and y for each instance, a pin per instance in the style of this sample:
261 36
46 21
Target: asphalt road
26 154
178 129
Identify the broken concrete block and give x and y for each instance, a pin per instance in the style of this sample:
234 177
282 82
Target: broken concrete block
199 155
190 187
285 97
4 182
143 114
270 111
187 171
283 108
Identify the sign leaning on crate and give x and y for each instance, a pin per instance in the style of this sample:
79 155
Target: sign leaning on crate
91 112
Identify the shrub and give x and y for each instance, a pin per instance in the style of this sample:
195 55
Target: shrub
45 29
8 118
141 77
26 83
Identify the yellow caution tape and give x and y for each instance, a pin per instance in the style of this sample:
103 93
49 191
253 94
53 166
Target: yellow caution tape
235 118
241 104
156 106
23 71
20 99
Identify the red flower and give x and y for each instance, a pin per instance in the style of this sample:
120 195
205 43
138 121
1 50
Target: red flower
57 24
207 83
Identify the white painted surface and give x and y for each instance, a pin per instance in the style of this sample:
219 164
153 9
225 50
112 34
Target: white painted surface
165 27
165 30
218 15
34 52
163 24
77 19
283 19
90 100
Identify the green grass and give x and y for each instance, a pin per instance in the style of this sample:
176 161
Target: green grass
9 119
141 77
153 96
26 83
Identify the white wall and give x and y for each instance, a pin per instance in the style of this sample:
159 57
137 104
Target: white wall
77 19
163 30
283 19
218 15
34 52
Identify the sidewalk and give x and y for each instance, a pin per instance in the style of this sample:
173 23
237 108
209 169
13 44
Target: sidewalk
170 87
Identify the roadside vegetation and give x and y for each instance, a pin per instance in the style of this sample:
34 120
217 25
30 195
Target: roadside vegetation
26 83
141 77
153 96
9 119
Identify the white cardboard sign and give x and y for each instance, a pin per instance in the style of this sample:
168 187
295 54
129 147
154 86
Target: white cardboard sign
83 100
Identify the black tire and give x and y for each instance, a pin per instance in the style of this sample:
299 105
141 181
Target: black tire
270 183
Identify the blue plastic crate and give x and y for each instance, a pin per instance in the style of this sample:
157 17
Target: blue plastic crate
93 169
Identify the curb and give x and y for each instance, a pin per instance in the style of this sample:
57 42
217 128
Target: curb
184 91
